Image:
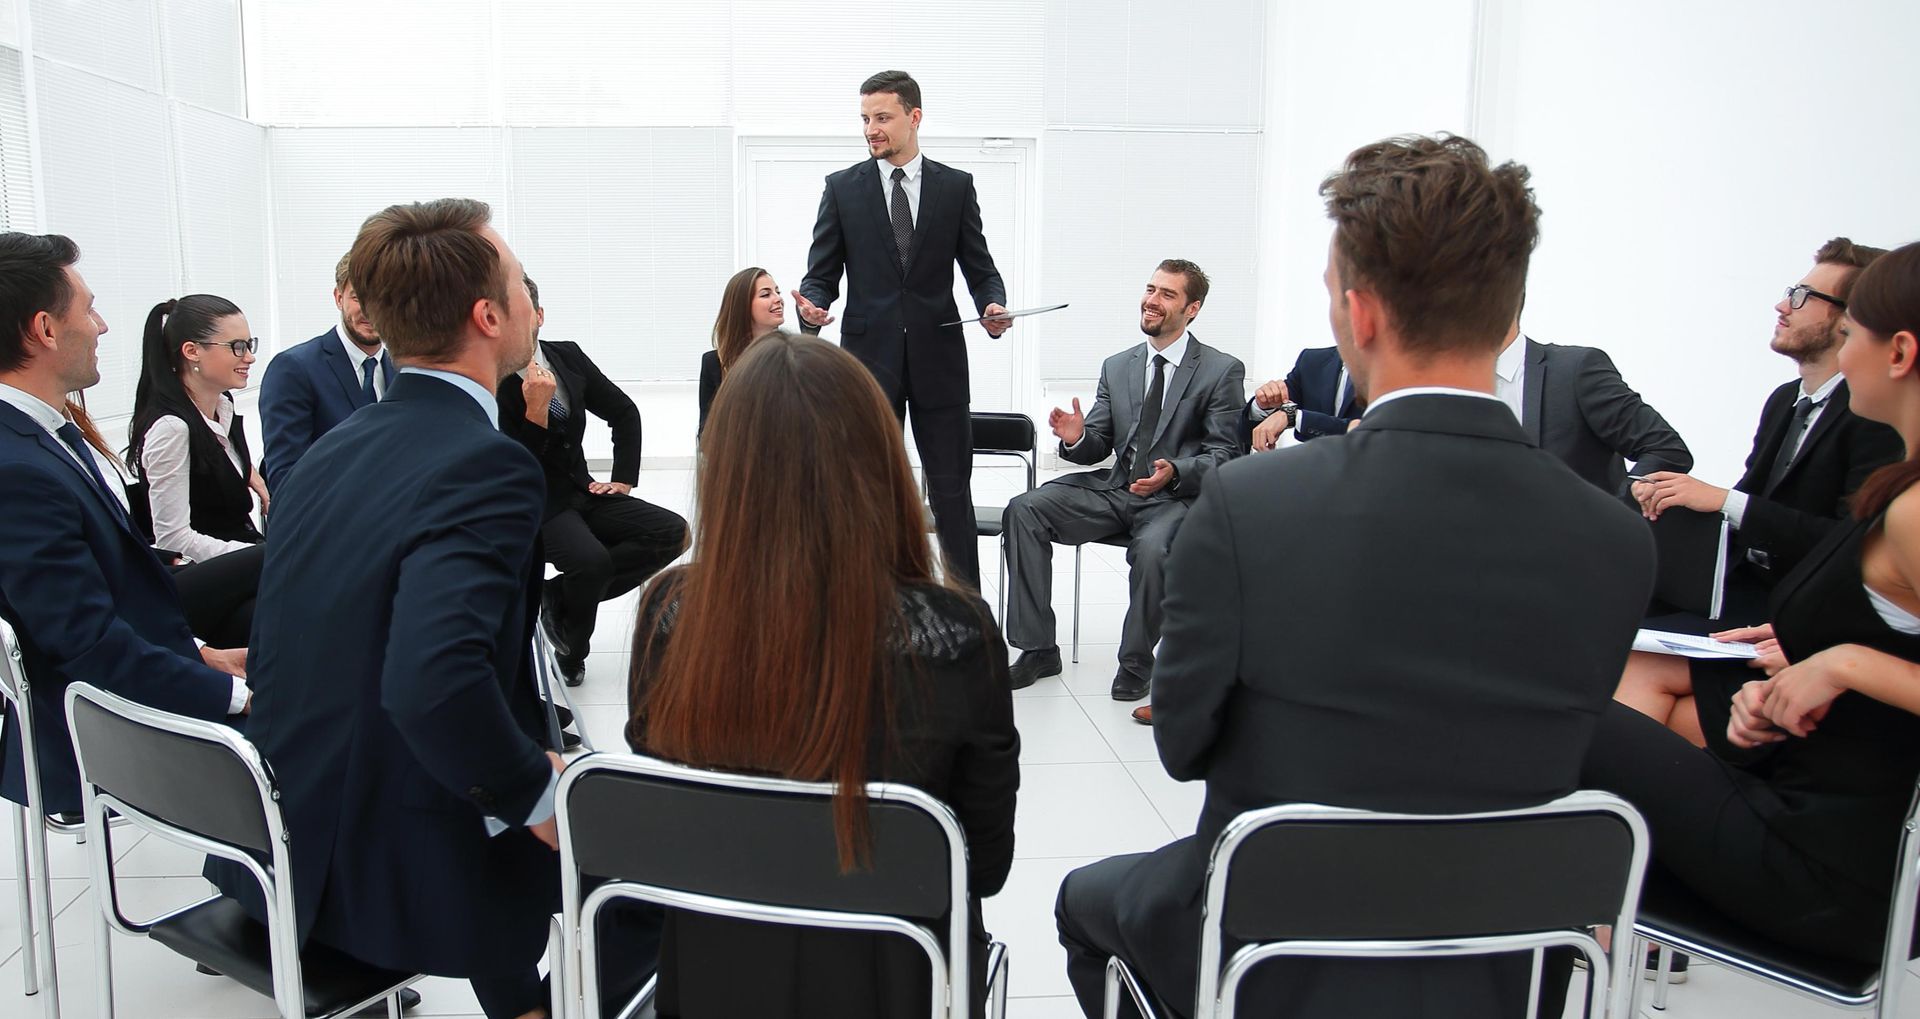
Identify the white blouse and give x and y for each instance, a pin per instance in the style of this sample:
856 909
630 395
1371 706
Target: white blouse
164 462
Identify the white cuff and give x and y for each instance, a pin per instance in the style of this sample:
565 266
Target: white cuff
1735 508
1257 412
240 694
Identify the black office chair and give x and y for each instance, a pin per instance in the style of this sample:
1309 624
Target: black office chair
1672 917
1309 880
1005 435
613 807
203 786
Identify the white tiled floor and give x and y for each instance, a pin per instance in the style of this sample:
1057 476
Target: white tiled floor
1092 786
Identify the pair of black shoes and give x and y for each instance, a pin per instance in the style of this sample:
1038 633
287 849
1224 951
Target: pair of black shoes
1032 665
573 666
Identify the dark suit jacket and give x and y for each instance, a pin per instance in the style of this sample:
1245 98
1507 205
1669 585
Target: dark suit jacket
1578 408
893 321
1787 516
391 637
1313 384
560 451
710 375
89 601
308 389
1458 661
1198 428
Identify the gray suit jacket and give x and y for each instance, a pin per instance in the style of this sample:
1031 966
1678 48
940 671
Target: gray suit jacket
1578 408
1199 426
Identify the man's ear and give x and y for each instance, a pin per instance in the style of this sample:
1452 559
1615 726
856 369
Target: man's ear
1365 316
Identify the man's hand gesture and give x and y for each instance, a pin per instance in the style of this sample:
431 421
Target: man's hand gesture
1068 427
809 312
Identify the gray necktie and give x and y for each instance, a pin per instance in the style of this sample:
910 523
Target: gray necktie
902 217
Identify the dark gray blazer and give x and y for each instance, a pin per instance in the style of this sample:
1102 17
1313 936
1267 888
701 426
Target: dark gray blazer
1578 408
1474 604
1199 428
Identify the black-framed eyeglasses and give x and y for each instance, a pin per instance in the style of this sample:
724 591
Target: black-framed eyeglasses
251 345
1798 293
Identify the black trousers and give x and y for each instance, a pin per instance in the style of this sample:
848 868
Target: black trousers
944 437
1707 822
604 547
218 595
629 939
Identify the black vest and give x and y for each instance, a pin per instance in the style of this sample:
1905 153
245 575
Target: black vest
220 505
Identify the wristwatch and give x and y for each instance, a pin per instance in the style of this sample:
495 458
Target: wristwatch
1292 411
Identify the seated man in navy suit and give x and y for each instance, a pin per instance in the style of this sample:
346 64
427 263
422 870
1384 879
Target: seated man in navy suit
1315 399
86 596
393 691
312 387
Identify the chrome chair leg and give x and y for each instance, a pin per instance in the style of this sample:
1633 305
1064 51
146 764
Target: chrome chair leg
29 965
1076 604
42 910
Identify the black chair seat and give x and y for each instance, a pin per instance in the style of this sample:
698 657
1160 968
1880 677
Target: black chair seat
1669 911
219 935
986 521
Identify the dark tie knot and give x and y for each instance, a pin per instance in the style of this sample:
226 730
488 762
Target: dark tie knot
1159 361
899 173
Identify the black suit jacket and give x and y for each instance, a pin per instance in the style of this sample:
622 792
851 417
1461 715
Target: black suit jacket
560 450
1787 516
1474 607
390 646
893 320
89 601
1314 385
1577 407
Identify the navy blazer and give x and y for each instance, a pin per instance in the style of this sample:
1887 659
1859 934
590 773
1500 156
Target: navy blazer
1314 385
391 641
894 319
309 388
89 601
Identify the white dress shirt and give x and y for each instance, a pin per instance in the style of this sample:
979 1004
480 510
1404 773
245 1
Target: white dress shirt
358 357
1510 377
51 419
1174 353
1735 508
911 182
165 461
1386 398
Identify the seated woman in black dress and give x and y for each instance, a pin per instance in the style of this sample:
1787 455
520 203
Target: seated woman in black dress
852 663
189 450
1788 821
750 307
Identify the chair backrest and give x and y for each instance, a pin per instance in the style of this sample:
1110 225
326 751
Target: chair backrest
12 673
612 809
1691 560
1903 939
199 777
1000 432
1307 872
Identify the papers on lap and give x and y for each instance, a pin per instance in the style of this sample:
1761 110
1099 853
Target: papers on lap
1687 645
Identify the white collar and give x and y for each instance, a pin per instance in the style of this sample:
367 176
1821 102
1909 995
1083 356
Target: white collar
912 167
466 385
1175 353
1820 396
1508 365
355 355
1386 398
44 415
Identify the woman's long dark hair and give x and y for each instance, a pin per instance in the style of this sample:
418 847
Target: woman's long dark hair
1886 300
733 327
806 500
161 390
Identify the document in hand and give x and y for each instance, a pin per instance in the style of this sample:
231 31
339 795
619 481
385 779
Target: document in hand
1686 645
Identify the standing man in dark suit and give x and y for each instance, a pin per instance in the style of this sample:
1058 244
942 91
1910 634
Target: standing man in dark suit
896 224
1167 411
1316 398
1428 674
394 700
85 594
1573 403
1809 453
603 540
311 387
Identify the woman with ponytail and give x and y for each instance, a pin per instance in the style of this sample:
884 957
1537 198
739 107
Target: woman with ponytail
1788 821
189 450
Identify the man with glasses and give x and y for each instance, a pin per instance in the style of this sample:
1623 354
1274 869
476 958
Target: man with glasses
1809 453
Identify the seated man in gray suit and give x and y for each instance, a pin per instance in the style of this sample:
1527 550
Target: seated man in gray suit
1573 402
1169 413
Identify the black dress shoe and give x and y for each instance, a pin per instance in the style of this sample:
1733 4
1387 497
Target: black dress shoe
573 672
550 622
408 998
1031 665
569 740
562 715
1129 687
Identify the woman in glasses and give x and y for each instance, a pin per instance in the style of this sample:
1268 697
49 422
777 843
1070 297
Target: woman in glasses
189 450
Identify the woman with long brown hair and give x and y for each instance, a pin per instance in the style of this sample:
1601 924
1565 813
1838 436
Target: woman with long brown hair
852 664
750 307
1788 821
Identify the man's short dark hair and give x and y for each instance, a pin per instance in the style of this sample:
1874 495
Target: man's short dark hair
1197 283
898 83
419 269
1841 251
533 290
33 279
1439 234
